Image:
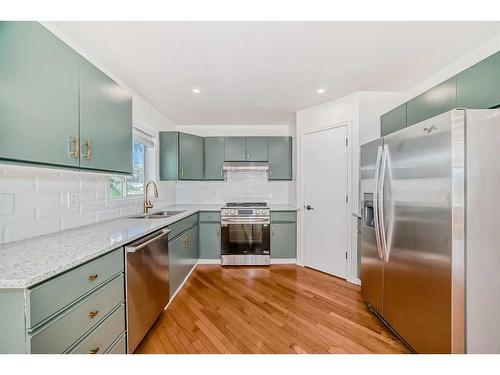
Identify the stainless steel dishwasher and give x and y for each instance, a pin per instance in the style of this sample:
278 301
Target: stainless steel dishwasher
146 273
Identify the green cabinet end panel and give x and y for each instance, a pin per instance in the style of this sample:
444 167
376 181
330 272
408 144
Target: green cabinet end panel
393 121
169 156
257 149
283 240
210 240
439 99
235 149
38 95
190 157
214 158
105 122
280 158
479 86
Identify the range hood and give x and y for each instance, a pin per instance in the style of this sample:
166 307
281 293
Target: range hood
245 166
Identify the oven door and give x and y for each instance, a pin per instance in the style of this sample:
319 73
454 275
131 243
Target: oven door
242 237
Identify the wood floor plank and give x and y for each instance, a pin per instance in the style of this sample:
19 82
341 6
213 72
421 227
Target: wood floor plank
276 309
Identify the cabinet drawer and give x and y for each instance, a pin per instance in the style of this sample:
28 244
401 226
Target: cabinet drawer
210 216
119 347
183 225
104 335
58 335
53 295
290 216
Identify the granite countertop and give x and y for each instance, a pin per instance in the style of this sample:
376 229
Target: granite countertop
28 262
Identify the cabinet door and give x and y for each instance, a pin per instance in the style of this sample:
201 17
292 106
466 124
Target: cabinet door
194 251
190 157
440 99
214 158
257 149
283 240
479 86
105 122
176 268
209 240
169 156
235 149
38 95
393 121
280 158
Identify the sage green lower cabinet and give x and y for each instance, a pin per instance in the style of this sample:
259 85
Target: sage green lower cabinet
38 96
210 240
257 149
235 149
439 99
479 86
283 235
280 158
393 121
213 158
85 317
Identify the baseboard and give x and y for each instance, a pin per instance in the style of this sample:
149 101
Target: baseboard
182 284
284 261
208 261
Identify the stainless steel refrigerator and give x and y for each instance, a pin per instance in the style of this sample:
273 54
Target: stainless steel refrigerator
430 232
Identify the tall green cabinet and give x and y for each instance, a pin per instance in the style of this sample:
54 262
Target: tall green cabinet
213 158
280 158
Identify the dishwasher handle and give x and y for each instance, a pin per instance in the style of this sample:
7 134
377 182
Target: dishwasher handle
133 249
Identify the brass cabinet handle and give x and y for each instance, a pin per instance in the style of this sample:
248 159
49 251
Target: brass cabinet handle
75 152
94 351
272 230
92 277
184 242
88 153
182 172
93 314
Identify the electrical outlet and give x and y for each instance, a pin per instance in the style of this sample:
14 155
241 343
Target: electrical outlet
72 200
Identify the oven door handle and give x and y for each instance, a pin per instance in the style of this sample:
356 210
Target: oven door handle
263 221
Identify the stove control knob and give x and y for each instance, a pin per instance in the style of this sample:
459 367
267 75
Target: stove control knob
233 212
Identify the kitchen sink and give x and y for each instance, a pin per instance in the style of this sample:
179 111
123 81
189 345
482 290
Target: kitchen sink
157 215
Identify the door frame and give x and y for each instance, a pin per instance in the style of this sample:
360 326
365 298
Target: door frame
351 276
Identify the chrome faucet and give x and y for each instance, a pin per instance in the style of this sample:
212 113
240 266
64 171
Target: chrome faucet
147 203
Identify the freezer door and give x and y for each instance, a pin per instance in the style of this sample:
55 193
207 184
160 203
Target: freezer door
372 265
417 230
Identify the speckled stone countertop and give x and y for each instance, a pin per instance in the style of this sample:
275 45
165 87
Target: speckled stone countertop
28 262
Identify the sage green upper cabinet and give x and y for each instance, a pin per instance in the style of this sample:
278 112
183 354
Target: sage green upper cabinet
257 149
393 121
235 149
439 99
38 96
181 156
479 86
105 122
190 157
214 158
280 158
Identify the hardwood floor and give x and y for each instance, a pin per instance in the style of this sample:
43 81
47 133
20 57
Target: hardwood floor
276 309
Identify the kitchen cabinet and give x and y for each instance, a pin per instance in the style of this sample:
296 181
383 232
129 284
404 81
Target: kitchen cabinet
437 100
58 109
235 149
105 120
81 307
181 156
257 149
213 158
210 235
283 235
393 121
280 158
479 86
38 96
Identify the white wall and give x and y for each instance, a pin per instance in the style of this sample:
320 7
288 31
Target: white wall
237 130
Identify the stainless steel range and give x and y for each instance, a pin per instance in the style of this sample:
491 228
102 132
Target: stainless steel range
245 234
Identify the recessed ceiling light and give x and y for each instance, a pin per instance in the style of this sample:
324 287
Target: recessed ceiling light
195 90
321 91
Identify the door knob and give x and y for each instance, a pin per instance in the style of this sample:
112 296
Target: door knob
309 208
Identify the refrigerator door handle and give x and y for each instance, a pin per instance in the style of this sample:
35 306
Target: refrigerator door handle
383 238
375 203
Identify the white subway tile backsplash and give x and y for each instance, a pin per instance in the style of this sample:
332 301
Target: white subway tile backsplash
78 220
20 231
6 204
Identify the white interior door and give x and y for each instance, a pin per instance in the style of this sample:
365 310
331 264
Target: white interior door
325 190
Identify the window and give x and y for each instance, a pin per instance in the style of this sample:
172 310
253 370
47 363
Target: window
129 186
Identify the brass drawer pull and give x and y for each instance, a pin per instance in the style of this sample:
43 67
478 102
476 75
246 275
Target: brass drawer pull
93 314
94 351
88 153
92 277
76 151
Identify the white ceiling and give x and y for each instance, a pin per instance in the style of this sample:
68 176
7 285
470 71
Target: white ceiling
263 72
